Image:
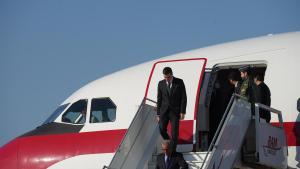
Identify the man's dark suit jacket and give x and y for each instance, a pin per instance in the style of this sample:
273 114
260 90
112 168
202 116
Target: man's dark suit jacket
176 162
263 95
175 101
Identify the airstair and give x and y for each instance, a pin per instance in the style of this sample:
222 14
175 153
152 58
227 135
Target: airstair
139 141
244 135
240 134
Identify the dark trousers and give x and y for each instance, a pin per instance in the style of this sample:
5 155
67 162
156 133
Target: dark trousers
163 125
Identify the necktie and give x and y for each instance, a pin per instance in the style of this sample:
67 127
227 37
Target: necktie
169 87
167 162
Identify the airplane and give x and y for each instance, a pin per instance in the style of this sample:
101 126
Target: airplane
87 128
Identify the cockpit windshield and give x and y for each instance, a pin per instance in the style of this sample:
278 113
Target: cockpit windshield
56 113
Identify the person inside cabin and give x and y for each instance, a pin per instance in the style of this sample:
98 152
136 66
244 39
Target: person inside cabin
263 96
171 105
247 88
169 159
234 79
244 88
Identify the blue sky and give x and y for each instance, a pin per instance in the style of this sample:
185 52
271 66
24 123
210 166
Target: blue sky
50 48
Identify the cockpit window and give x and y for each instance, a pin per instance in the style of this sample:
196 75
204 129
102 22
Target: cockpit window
103 110
56 113
76 113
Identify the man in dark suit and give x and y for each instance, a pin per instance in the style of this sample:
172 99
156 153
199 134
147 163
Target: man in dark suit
171 105
169 160
263 96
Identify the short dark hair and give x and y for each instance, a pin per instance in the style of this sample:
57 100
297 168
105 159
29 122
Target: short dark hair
259 76
234 76
167 70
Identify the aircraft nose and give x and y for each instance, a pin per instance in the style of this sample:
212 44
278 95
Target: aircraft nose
9 155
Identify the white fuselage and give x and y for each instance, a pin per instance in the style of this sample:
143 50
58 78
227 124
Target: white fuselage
127 88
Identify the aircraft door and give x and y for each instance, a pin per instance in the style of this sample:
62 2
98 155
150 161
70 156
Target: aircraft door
191 72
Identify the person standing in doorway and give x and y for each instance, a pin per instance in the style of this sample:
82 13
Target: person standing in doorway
234 79
247 88
244 89
171 105
263 96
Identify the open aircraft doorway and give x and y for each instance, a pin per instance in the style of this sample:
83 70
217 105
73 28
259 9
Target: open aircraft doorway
192 78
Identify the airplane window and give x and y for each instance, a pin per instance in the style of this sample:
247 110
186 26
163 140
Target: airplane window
56 113
76 114
103 110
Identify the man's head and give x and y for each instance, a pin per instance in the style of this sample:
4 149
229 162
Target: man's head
244 72
168 73
258 78
233 78
165 146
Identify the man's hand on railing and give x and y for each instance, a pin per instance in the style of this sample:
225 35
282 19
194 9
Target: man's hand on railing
157 118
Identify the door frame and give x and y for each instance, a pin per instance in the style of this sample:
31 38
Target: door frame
201 75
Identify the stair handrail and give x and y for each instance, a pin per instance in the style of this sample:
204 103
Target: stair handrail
271 110
132 122
212 144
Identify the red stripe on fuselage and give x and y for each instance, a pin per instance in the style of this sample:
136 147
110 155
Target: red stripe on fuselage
40 152
292 132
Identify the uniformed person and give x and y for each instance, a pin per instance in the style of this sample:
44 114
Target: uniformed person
244 88
248 88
